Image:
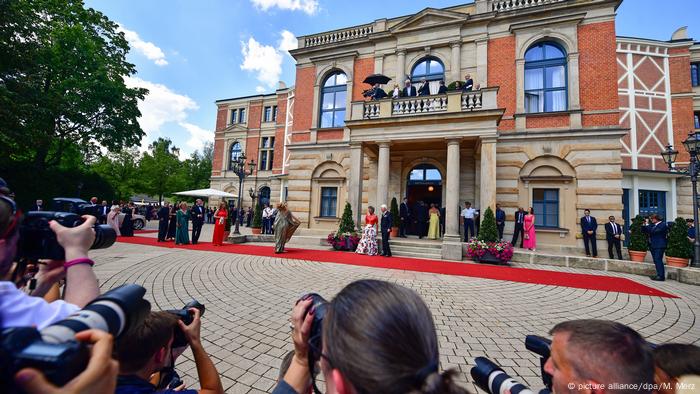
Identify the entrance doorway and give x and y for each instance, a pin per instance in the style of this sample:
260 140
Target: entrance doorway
424 183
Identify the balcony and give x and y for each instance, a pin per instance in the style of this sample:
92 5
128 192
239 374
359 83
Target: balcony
336 36
451 103
510 5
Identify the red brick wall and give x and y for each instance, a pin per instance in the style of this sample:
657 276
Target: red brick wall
332 134
501 72
252 147
279 134
680 70
304 98
597 71
361 69
221 117
254 115
218 159
540 122
682 107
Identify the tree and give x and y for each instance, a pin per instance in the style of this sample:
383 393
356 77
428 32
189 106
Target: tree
161 169
678 243
196 170
638 239
62 71
347 225
122 171
257 216
488 231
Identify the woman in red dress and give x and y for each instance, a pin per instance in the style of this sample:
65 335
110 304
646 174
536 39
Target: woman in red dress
368 243
219 224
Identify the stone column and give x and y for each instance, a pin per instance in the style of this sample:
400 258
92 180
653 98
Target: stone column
451 245
520 94
456 65
487 177
383 166
355 181
482 53
400 66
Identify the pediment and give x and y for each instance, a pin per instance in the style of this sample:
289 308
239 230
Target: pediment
234 127
429 17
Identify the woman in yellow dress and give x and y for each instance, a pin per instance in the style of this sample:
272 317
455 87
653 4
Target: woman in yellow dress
434 227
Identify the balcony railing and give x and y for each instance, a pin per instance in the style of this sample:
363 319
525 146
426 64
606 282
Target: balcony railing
509 5
451 102
338 35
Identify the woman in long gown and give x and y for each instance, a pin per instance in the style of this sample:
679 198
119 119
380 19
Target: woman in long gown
530 239
434 227
219 224
182 233
172 224
368 242
284 226
113 219
127 227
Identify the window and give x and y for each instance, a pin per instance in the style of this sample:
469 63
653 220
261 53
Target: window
267 153
233 116
333 95
429 68
267 114
545 202
545 78
234 154
695 74
274 113
696 120
241 115
329 200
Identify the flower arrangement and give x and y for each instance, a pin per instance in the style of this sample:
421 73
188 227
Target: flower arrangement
344 241
501 250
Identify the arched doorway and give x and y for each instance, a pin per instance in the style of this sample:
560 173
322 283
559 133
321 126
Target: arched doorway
264 196
424 183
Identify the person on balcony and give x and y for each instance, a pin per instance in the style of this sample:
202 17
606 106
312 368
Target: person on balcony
443 88
409 90
424 89
378 93
468 83
396 92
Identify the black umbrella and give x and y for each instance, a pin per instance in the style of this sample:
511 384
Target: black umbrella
377 78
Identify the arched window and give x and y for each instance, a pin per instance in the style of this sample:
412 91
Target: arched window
545 78
333 95
429 68
264 195
234 154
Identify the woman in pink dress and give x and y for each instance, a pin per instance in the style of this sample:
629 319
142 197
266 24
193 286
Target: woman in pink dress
530 239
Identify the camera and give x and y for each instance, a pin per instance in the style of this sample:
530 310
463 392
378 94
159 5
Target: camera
315 336
186 316
38 241
54 350
542 347
368 92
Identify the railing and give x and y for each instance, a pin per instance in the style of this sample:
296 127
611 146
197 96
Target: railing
471 100
509 5
339 36
414 105
371 110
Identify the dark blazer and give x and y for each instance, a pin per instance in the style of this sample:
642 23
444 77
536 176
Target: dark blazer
411 92
519 218
657 235
164 213
424 90
610 232
421 213
468 85
38 208
386 222
197 210
403 210
379 94
500 216
586 226
442 90
104 210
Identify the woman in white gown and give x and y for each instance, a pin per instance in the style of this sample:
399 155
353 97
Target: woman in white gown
113 219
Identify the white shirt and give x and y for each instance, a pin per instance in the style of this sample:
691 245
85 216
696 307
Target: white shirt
468 213
267 212
18 309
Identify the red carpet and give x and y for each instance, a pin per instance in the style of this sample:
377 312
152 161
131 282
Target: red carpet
145 231
522 275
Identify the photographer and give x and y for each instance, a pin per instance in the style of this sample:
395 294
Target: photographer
377 337
147 350
19 309
599 356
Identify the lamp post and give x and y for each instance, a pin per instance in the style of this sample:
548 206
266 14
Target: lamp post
253 195
238 167
692 145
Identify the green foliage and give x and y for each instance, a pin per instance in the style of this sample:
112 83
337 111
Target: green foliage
455 85
678 243
257 216
347 224
159 169
488 231
63 69
121 170
395 211
638 239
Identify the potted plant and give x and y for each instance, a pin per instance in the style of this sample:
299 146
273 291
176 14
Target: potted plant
257 220
395 218
639 243
345 238
486 247
679 248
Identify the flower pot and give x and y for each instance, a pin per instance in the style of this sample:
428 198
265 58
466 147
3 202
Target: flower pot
637 256
256 231
679 262
394 232
489 258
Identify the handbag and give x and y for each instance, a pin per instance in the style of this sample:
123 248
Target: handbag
527 236
221 220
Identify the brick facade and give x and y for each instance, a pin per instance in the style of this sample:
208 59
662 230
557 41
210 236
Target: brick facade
501 73
361 69
597 63
304 99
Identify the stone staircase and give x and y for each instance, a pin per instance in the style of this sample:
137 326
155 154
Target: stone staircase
409 247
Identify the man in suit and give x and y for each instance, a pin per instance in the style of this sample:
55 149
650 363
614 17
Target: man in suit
409 90
468 83
39 206
377 92
421 219
500 220
404 217
519 219
691 237
588 227
104 210
197 214
613 234
163 220
424 89
657 231
385 227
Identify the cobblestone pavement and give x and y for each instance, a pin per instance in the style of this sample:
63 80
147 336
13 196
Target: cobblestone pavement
249 298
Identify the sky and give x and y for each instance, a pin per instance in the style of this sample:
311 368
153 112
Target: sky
191 53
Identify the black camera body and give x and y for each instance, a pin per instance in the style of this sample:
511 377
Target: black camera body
38 241
320 306
54 350
186 316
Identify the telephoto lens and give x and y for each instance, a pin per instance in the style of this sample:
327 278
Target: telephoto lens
492 379
320 306
542 347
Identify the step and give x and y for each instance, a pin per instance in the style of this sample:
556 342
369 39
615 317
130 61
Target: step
416 255
416 249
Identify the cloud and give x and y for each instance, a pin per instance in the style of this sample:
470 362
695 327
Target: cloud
260 89
265 60
146 48
308 6
288 41
198 135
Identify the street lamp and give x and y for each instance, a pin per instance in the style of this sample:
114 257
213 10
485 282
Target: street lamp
238 166
692 145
